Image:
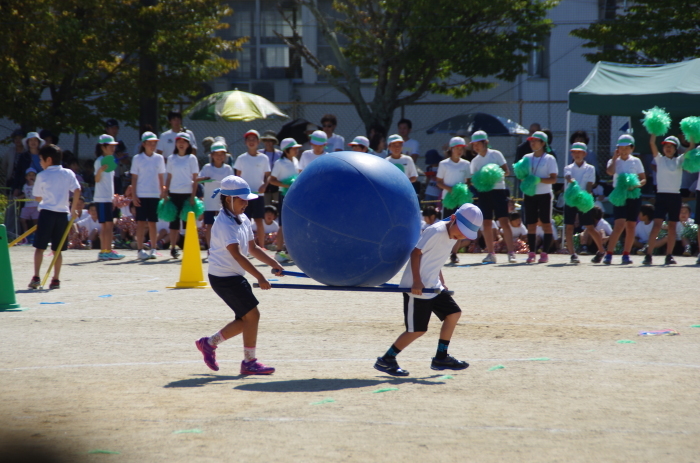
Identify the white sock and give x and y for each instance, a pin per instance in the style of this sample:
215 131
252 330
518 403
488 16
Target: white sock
249 353
216 339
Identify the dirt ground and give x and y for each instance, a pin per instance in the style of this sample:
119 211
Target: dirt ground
114 368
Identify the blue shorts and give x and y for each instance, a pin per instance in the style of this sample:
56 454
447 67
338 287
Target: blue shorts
105 212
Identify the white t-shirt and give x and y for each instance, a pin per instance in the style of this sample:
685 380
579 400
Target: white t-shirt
669 173
517 231
27 190
411 146
453 173
491 157
436 247
543 167
166 142
180 169
268 227
89 224
104 189
631 166
217 175
285 168
406 164
604 226
226 231
583 174
335 143
53 185
643 230
307 157
147 168
253 169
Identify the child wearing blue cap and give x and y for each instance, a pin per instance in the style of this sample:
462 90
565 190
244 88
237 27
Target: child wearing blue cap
626 215
232 239
424 271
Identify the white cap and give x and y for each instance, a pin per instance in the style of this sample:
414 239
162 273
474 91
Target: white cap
319 137
148 136
394 138
362 141
251 132
457 141
106 140
184 136
289 143
235 186
217 146
469 220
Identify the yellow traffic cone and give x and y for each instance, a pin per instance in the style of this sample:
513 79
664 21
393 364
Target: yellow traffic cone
191 275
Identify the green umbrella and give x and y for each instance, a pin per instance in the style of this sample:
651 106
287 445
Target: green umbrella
234 105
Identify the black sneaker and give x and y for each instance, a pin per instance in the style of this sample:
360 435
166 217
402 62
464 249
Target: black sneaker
598 257
389 366
647 260
670 260
454 259
448 363
174 253
575 259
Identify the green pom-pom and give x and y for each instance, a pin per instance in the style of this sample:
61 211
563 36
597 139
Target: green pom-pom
459 195
198 209
618 197
626 188
529 184
578 198
522 168
691 160
691 129
657 121
167 211
287 181
487 177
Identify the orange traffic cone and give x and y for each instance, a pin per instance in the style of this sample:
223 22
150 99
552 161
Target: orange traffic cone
191 275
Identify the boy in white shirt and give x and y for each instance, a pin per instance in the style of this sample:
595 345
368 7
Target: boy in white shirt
424 270
400 160
452 171
642 231
104 195
318 141
254 168
51 191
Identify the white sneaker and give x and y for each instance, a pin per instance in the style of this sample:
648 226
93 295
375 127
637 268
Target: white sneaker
281 257
142 254
511 258
152 254
489 259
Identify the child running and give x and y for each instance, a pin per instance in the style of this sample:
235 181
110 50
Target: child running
626 215
181 182
584 174
669 174
212 174
232 240
424 271
51 190
104 195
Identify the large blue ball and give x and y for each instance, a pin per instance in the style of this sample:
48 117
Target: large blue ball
351 219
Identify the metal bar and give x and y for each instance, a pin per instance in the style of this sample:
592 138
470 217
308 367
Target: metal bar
304 275
58 251
369 289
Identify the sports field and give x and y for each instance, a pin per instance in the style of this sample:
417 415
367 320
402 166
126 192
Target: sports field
114 368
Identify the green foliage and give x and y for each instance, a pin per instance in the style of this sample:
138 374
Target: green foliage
425 46
460 194
83 56
656 121
487 177
648 32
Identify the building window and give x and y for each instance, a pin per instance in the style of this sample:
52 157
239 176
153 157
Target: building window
538 63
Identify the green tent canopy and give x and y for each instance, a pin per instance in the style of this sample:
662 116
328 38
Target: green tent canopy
615 89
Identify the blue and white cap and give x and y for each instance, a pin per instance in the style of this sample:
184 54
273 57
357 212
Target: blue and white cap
235 186
469 220
319 137
625 140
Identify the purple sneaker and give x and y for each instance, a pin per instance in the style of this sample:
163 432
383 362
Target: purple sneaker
255 368
208 353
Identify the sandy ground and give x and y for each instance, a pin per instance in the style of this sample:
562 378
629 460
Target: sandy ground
122 374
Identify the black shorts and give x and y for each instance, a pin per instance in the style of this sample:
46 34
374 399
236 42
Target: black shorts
236 293
148 211
494 201
668 204
416 312
629 212
209 217
584 218
50 229
105 212
178 199
256 208
538 207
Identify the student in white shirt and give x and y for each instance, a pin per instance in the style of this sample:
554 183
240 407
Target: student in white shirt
411 147
181 182
602 227
148 182
623 162
104 196
166 143
452 171
642 231
360 144
254 168
211 175
287 167
400 160
318 141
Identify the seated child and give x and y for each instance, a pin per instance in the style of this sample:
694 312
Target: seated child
270 226
643 229
91 227
585 241
519 233
430 216
686 230
539 232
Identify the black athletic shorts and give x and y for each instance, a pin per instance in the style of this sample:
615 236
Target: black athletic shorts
105 212
417 311
148 211
236 293
629 211
668 204
584 218
493 204
538 207
256 208
50 229
178 199
209 217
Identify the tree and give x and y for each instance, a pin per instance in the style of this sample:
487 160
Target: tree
69 64
650 32
424 46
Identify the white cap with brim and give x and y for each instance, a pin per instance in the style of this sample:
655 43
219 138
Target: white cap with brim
671 141
578 146
625 140
359 141
184 136
235 186
469 220
32 135
217 147
479 135
457 141
288 143
106 140
148 136
319 138
394 138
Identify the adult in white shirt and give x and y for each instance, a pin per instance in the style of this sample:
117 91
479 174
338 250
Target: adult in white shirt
411 147
400 160
254 168
166 143
285 168
318 141
335 142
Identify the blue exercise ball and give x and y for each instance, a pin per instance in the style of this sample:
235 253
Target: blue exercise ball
351 219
